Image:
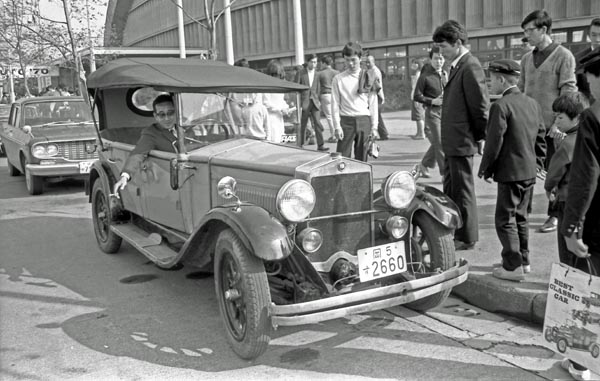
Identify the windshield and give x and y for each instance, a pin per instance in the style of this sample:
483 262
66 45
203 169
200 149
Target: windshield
56 112
209 118
4 111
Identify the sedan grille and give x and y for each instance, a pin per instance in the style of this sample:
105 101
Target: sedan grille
339 194
76 150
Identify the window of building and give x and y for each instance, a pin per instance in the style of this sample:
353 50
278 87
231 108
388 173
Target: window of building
559 36
377 52
490 43
396 51
419 50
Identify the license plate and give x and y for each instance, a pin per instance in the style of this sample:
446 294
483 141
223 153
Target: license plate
381 261
85 166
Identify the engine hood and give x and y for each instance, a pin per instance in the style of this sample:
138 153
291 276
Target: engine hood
259 155
64 132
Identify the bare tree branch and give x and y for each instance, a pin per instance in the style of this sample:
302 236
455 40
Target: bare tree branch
190 16
223 10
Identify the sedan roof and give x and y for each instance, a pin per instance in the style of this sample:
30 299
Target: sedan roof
187 75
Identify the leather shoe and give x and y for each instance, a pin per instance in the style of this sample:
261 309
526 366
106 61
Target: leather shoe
526 268
516 275
459 245
549 226
322 148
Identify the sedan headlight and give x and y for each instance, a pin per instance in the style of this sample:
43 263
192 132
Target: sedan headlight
52 150
296 200
399 189
41 151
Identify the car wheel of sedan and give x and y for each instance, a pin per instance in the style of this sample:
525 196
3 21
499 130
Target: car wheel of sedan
35 184
243 296
108 241
432 247
12 170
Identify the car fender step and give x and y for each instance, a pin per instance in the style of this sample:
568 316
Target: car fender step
151 245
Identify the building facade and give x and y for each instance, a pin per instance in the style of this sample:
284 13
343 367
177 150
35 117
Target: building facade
394 31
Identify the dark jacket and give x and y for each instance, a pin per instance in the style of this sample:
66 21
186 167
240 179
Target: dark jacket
582 84
313 92
464 111
558 170
515 145
429 86
583 200
153 137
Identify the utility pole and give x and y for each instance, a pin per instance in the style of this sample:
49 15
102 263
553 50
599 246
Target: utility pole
298 37
228 34
180 29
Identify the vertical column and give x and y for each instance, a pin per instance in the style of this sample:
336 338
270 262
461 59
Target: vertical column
180 29
298 37
228 34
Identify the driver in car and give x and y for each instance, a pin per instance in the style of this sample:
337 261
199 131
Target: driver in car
161 136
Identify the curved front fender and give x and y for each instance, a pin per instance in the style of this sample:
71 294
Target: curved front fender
438 205
264 235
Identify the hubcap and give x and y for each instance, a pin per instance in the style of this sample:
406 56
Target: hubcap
233 297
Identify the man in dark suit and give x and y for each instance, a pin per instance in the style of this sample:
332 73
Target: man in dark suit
594 35
311 106
464 120
159 136
514 152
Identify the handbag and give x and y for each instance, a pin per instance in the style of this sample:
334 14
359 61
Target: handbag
572 318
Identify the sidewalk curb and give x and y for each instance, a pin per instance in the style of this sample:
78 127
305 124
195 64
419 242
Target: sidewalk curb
510 298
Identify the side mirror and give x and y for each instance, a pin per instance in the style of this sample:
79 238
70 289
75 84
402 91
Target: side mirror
174 173
226 187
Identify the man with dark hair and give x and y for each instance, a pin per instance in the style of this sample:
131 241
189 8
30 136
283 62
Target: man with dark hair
311 105
354 105
546 72
325 77
594 36
161 136
464 120
429 91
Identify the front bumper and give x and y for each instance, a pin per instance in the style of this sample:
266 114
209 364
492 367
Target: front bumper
64 169
368 300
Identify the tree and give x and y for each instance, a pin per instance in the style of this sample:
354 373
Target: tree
210 24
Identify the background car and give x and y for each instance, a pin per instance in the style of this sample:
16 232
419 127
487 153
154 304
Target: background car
49 137
4 112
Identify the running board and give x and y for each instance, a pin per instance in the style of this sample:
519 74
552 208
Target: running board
151 245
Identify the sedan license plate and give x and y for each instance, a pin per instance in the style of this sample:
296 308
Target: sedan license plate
85 166
381 261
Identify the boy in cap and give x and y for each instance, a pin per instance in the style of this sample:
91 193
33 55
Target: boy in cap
514 152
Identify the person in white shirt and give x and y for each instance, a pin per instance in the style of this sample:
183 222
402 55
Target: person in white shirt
354 105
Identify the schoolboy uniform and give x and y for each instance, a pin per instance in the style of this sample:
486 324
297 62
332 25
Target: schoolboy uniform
514 148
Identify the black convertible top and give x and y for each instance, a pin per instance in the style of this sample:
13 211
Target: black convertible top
186 75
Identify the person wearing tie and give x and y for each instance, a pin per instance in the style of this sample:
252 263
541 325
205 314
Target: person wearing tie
311 105
464 120
429 91
161 136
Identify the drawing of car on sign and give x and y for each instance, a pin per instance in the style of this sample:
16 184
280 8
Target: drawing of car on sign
569 335
586 316
592 300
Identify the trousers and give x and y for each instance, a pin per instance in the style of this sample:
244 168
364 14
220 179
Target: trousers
458 184
356 131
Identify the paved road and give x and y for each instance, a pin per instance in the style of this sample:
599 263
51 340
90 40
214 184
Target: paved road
70 311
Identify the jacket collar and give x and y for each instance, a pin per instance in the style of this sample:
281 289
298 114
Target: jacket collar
458 65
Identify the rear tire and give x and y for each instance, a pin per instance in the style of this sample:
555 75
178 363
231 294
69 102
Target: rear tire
435 241
243 295
108 241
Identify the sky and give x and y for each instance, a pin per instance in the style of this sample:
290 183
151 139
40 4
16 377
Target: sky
53 9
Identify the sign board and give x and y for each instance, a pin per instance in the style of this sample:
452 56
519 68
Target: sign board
32 71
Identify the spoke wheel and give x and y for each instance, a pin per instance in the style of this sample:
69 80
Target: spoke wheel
595 351
108 241
561 345
243 296
432 248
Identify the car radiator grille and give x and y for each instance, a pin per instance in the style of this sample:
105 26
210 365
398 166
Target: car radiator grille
342 193
76 150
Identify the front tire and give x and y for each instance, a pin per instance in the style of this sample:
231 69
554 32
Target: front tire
432 246
243 296
107 240
35 184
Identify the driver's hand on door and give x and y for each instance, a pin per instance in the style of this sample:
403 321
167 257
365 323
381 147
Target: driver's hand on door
121 184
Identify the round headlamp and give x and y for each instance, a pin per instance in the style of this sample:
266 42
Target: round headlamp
51 150
38 151
396 226
399 189
310 240
296 200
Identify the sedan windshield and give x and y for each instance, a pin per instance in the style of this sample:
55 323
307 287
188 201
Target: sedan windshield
56 112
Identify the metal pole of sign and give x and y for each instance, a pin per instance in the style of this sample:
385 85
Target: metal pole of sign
11 84
180 29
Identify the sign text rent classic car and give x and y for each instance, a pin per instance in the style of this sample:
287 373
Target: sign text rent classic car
294 236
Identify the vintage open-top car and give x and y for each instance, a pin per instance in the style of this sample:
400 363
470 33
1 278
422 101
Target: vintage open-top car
49 137
294 236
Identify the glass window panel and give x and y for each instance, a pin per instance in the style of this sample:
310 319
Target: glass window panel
560 37
418 49
579 36
491 43
377 52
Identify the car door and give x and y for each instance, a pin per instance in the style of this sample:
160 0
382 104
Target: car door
13 137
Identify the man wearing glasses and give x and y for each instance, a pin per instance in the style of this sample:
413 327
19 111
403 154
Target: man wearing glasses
546 72
159 136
